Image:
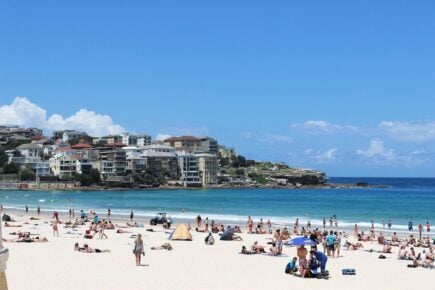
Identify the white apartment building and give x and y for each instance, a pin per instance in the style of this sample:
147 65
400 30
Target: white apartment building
189 173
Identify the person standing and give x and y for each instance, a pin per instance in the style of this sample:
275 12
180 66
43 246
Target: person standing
427 226
324 223
27 209
38 210
410 226
389 224
383 224
131 216
70 213
420 231
55 228
206 224
269 226
355 230
198 221
108 213
138 249
250 225
330 243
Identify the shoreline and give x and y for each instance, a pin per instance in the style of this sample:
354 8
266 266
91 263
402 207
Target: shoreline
216 187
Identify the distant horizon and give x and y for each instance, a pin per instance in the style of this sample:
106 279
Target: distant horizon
341 87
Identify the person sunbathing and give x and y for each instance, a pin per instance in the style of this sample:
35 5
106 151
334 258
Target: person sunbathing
87 249
8 225
26 239
165 246
258 248
244 251
352 247
200 230
34 218
403 253
387 248
121 231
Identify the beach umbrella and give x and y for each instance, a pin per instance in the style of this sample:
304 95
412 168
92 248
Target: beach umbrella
301 241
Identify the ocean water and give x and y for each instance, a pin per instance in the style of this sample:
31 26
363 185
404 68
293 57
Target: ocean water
404 199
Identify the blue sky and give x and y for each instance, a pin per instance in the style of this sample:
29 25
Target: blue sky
342 86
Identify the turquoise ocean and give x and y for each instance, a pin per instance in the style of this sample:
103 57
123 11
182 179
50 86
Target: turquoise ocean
402 200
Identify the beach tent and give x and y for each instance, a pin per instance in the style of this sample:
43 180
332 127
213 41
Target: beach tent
181 233
228 234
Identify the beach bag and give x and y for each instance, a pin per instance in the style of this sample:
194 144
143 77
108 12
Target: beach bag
348 271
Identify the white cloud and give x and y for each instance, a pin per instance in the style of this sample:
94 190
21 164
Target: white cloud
275 138
23 112
409 131
377 151
322 157
161 137
323 127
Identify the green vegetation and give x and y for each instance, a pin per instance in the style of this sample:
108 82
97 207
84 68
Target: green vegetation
258 177
11 168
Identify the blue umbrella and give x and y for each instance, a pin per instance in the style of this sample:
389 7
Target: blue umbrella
301 241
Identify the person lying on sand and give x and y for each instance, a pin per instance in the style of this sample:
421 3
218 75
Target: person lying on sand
165 246
200 230
9 225
26 240
34 218
121 231
352 247
123 227
87 249
244 251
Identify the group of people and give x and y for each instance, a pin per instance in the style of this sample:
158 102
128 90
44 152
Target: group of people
309 263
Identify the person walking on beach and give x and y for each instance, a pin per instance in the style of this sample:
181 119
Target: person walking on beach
198 221
138 249
250 225
131 216
38 210
410 226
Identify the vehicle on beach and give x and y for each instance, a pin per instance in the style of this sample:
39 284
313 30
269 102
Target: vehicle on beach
161 218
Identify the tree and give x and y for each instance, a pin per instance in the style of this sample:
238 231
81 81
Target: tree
27 175
11 168
240 172
3 157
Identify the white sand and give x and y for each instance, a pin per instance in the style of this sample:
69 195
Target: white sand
190 265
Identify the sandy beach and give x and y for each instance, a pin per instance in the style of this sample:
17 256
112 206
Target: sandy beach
190 265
